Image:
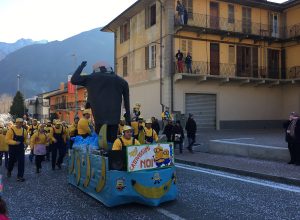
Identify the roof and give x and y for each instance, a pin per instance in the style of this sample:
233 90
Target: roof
59 92
141 4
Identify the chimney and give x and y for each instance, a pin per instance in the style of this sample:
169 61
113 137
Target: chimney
62 86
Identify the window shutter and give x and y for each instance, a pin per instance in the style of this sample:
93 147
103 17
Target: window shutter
146 18
147 57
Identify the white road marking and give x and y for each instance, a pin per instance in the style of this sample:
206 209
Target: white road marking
245 144
169 214
234 139
257 182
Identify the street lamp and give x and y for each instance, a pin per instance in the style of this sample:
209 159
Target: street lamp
18 81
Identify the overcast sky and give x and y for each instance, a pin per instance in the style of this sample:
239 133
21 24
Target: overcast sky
56 19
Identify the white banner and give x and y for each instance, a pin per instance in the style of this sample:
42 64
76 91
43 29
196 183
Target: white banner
145 157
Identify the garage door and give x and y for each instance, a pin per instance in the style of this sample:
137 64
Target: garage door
203 107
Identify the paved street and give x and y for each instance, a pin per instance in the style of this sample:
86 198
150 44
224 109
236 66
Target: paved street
203 194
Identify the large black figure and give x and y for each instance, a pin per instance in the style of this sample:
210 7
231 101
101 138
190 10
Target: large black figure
105 92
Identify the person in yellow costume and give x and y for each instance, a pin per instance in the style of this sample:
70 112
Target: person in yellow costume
84 125
59 144
3 146
150 133
31 130
49 130
125 140
16 138
38 143
138 126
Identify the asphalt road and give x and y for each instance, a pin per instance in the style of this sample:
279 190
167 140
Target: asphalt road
203 194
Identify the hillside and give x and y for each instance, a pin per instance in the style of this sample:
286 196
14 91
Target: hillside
43 66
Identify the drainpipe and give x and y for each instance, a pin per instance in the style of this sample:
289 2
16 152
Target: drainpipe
161 58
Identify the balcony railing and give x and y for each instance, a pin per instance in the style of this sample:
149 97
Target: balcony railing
245 26
67 106
231 70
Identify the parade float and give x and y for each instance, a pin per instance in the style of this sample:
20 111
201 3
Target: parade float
140 174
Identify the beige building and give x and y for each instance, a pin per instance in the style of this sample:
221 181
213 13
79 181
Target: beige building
245 66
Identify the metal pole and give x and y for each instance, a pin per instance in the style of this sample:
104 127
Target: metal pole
18 80
76 94
161 58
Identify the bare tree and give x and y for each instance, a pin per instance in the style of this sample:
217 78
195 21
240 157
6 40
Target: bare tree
5 103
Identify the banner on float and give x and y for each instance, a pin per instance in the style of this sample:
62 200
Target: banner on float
146 157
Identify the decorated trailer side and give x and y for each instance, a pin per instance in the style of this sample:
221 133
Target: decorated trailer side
142 174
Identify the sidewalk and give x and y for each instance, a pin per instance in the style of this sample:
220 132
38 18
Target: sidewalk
269 170
259 168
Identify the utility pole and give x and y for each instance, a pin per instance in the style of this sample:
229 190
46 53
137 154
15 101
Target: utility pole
76 94
18 81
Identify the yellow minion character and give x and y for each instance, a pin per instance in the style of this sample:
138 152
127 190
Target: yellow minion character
158 157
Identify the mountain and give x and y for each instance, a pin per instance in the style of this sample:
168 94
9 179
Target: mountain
43 66
7 48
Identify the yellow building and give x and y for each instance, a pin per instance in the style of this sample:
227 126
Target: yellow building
245 69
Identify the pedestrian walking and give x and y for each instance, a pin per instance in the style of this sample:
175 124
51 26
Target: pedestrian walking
293 131
38 143
289 139
179 57
31 130
3 147
188 63
191 129
16 138
49 130
178 136
59 141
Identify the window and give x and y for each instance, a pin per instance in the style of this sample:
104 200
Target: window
125 66
150 57
124 32
150 16
246 22
231 14
231 57
186 46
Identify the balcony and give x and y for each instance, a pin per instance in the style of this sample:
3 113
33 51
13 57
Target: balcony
206 24
68 106
226 72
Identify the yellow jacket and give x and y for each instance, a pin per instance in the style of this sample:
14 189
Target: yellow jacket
38 138
3 144
84 126
135 125
151 132
9 138
50 131
118 144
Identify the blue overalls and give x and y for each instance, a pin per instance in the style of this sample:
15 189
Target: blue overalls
17 154
60 147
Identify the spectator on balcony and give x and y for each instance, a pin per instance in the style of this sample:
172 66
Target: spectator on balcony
188 63
185 15
179 57
180 10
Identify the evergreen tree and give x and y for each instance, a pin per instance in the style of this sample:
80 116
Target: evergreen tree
18 106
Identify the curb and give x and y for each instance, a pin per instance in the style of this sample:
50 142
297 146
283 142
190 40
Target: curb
278 179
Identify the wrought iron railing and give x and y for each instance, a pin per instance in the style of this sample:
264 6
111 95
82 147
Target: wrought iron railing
230 70
244 26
